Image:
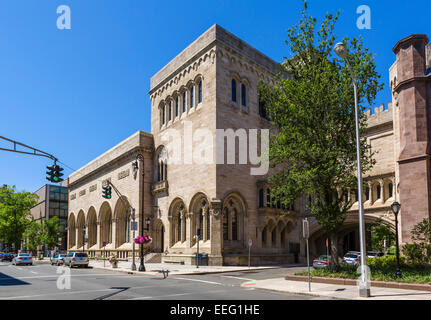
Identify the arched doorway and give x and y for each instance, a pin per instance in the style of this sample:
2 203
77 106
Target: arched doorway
158 236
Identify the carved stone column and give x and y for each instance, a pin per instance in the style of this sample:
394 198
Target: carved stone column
216 257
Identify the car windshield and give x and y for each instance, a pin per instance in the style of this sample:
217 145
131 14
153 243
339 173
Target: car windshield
351 255
62 255
24 255
323 258
81 255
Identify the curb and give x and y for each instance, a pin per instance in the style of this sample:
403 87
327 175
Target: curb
152 272
311 294
381 284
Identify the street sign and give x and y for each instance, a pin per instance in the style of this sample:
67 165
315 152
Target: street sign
134 225
250 243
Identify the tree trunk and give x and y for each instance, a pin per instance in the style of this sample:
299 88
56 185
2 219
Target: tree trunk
334 251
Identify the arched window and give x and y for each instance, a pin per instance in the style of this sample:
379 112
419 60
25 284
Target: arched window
274 237
283 238
179 228
268 198
261 198
391 190
264 236
163 115
367 193
184 102
200 92
192 97
170 110
225 225
161 164
262 108
234 221
379 193
233 90
176 106
243 94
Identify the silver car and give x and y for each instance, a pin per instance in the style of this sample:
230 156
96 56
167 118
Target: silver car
76 259
353 258
23 258
58 259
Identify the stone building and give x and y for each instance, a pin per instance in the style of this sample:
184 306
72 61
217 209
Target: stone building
202 170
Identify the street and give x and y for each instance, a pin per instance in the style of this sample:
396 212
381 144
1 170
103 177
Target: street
40 282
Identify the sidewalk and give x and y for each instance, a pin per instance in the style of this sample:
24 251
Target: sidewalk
174 269
336 291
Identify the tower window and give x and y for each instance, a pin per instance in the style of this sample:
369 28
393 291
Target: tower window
192 97
233 90
200 92
243 94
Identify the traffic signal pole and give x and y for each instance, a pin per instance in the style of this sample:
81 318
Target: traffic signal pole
36 152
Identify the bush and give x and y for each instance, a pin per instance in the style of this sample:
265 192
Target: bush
413 253
384 263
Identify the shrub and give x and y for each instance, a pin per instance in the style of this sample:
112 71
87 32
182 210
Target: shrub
384 263
413 253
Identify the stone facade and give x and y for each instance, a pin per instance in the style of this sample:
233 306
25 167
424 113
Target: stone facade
207 92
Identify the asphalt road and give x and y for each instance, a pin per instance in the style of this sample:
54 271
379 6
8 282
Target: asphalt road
46 282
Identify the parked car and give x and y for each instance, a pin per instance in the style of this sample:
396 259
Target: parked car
76 259
374 254
23 258
6 257
58 259
321 262
352 258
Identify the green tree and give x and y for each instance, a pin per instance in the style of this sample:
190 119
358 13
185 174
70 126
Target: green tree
32 236
314 146
50 232
421 233
14 214
380 234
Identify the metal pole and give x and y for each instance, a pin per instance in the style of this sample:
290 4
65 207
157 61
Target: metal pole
398 271
142 266
249 248
308 267
133 243
364 290
197 256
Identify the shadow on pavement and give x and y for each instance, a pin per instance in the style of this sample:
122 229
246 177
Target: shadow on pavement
121 289
6 280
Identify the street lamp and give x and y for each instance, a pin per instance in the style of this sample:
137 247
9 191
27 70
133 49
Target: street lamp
364 290
395 209
136 168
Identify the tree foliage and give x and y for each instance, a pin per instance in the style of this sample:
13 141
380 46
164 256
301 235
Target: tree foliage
14 214
380 234
313 111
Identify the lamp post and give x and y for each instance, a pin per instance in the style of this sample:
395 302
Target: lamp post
364 290
133 243
395 209
136 168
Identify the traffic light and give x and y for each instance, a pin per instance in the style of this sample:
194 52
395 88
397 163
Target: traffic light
106 193
54 173
50 173
57 173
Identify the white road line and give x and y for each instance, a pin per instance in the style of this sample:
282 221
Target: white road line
205 281
171 295
240 278
72 292
72 275
33 272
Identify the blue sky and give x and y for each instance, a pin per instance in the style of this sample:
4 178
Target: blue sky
76 93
